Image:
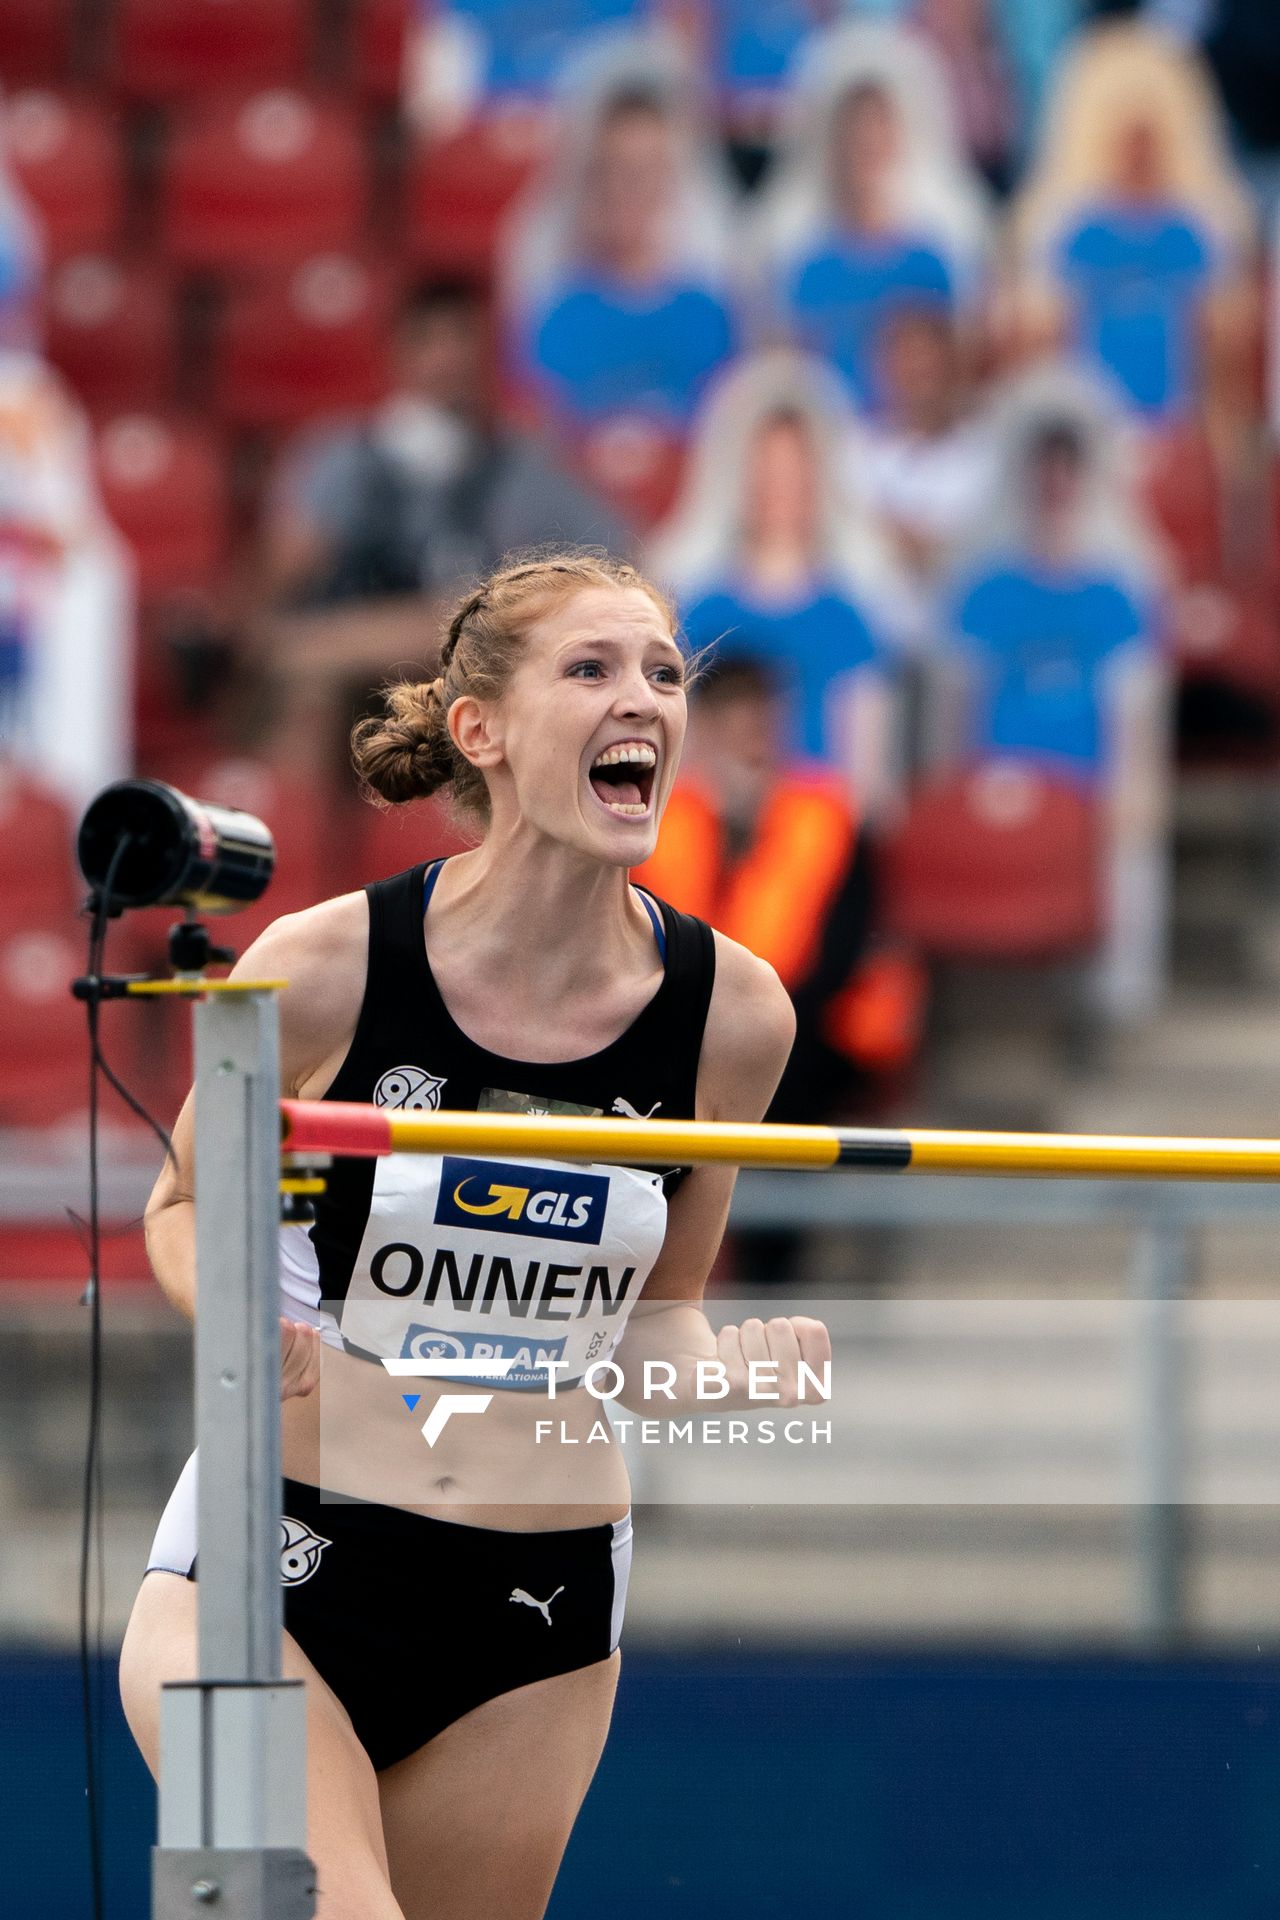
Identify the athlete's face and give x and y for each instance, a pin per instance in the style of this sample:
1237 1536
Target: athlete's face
590 728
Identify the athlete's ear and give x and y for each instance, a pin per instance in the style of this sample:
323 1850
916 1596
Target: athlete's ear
473 727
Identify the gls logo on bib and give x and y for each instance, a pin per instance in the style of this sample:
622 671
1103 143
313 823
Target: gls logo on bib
546 1203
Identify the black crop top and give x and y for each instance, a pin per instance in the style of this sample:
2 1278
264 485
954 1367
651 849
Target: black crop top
427 1253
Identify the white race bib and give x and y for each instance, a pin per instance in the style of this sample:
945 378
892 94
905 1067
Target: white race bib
474 1259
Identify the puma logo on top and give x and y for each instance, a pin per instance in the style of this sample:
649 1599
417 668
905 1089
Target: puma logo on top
625 1108
527 1600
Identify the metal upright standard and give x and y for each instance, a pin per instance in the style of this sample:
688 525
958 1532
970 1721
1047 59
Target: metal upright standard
1162 1280
233 1742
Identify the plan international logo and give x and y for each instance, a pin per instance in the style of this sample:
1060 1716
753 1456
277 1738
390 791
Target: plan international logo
527 1357
546 1203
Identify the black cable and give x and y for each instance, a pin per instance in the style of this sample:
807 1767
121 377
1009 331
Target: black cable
97 941
92 1656
134 1105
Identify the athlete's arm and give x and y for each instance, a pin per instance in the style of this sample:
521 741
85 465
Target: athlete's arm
321 954
749 1032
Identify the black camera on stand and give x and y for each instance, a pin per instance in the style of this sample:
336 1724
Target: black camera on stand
144 844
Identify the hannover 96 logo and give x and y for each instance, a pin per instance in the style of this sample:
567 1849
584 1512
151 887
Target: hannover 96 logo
412 1088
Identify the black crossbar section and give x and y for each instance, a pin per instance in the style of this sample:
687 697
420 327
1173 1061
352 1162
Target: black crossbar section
888 1152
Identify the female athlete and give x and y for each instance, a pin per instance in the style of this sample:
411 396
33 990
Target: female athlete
455 1610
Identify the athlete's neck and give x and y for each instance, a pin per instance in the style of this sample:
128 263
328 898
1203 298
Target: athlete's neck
530 910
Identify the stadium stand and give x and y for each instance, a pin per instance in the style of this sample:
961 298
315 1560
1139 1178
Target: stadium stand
379 30
37 42
387 840
459 188
111 329
167 50
998 862
42 1054
35 850
253 183
165 484
66 154
296 348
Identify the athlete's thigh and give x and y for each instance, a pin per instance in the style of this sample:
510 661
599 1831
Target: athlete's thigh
477 1820
344 1828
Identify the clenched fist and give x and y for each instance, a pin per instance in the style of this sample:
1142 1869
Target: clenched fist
775 1348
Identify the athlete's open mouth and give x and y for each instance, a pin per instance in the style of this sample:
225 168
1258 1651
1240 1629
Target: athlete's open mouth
622 778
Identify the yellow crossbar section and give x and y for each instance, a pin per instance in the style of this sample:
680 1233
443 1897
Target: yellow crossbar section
1095 1155
339 1128
151 989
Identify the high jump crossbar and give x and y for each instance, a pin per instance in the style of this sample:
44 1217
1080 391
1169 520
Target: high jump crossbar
342 1128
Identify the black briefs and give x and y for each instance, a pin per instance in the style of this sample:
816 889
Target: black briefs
414 1621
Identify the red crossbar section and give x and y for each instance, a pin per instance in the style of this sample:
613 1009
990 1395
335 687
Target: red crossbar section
334 1126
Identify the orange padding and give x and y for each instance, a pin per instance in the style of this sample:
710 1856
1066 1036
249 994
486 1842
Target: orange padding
776 898
877 1019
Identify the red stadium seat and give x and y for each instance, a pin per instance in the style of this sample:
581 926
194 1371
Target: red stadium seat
43 1065
29 1252
297 812
36 42
999 862
380 29
66 156
1221 635
389 839
37 876
257 183
1183 492
633 466
181 49
297 348
460 187
1227 649
166 488
175 709
111 330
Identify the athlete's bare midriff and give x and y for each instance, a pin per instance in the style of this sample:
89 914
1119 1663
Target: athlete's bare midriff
354 1435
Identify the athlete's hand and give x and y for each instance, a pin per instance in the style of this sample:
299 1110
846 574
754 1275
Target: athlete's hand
299 1358
781 1344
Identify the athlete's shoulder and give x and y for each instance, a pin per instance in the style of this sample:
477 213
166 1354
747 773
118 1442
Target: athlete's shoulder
751 1025
748 993
300 945
322 953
